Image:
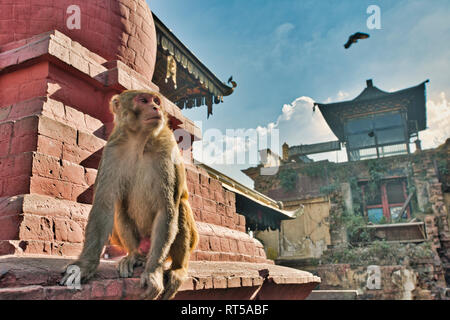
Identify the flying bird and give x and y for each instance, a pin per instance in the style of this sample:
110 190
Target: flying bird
354 38
233 83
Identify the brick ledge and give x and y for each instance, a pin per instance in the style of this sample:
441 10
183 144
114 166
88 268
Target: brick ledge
36 277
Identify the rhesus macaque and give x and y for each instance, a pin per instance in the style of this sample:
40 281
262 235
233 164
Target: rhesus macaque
140 192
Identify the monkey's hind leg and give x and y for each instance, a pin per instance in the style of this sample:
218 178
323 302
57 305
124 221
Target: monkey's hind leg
185 241
129 239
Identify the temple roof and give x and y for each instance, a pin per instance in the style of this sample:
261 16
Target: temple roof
371 99
190 84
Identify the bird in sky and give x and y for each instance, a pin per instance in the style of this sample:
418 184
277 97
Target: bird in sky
354 38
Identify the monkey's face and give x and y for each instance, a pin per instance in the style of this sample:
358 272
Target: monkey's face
139 111
147 108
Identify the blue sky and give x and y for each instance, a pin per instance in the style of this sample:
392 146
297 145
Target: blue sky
286 53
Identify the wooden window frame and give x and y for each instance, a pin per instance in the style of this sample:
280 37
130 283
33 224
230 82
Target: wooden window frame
385 205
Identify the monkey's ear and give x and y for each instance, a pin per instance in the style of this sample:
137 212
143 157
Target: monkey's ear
114 105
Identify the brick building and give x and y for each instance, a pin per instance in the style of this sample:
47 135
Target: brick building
56 80
385 207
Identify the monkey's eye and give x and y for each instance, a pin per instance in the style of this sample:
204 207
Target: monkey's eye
143 100
157 101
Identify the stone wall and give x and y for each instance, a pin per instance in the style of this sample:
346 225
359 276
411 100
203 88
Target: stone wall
384 282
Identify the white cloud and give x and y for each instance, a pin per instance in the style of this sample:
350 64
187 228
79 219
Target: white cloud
438 122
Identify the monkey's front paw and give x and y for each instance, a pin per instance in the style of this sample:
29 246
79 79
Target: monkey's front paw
154 283
127 264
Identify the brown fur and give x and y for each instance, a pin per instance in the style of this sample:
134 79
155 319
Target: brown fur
140 191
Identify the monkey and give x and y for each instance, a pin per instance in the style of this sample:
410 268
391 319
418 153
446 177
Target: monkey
140 192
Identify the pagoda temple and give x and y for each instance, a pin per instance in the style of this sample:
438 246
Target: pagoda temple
377 123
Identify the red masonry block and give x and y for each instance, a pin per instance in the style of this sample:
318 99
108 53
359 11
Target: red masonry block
250 248
51 187
16 185
6 131
90 142
66 249
26 108
203 256
203 243
214 243
220 209
229 211
6 166
68 230
224 245
58 131
36 228
233 245
192 176
72 173
9 228
219 196
46 166
4 112
75 154
75 118
242 220
211 218
228 222
197 214
209 205
23 144
205 193
219 282
204 180
230 198
114 288
241 247
49 146
26 126
197 202
90 176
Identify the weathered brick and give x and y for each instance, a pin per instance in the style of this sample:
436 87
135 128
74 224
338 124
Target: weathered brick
68 230
51 187
4 112
214 243
6 131
219 282
16 185
203 243
26 126
74 153
23 144
75 118
49 146
224 245
58 131
36 228
90 176
26 108
90 142
46 166
209 205
72 173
